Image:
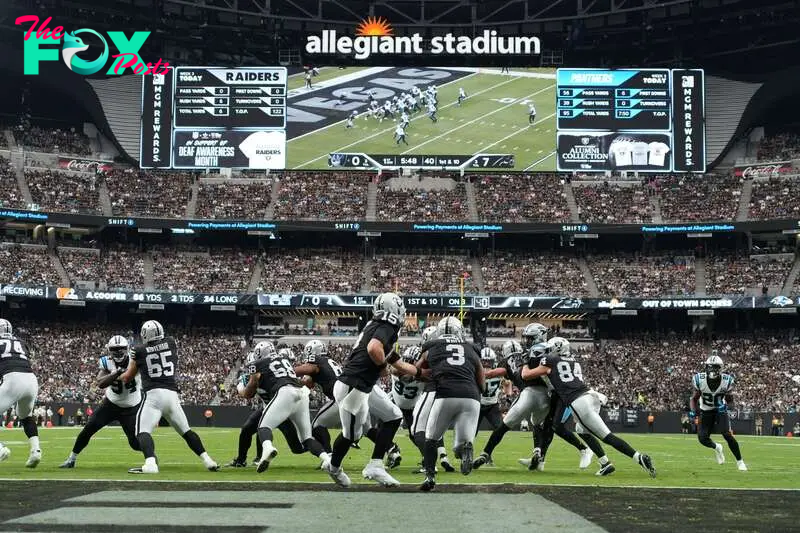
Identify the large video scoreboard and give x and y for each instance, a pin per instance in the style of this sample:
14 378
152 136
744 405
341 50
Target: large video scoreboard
207 117
630 120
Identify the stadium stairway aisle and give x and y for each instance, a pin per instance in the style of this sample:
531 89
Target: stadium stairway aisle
191 207
368 265
700 276
472 206
18 160
147 267
10 141
744 201
105 199
573 205
62 272
655 201
791 278
477 275
372 201
591 284
255 278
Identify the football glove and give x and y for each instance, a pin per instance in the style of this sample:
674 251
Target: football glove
244 379
722 408
692 414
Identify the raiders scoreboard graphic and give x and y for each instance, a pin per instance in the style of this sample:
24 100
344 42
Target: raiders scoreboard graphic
360 160
638 120
210 117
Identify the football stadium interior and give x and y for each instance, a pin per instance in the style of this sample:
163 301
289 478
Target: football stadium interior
367 258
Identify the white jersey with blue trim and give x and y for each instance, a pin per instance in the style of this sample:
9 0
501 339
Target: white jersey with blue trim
712 398
490 395
406 391
119 393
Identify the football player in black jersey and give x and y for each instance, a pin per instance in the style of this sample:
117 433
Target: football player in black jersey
315 366
274 379
157 361
372 353
18 386
457 373
565 376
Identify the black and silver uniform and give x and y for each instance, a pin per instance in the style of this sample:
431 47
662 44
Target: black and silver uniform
455 365
359 369
275 373
566 376
329 372
158 364
13 356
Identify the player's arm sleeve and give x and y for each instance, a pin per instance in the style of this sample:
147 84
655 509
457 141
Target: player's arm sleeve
696 382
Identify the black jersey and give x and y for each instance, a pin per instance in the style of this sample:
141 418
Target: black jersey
513 371
13 356
566 377
275 373
157 362
455 366
329 372
359 369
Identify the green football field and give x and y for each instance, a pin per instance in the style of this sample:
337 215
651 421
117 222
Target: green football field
680 460
493 119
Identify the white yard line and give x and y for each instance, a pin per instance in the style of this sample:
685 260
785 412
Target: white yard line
392 128
548 156
477 119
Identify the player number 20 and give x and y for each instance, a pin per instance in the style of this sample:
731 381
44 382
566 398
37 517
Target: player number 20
566 372
457 359
158 365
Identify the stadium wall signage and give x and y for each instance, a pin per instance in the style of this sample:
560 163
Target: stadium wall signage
560 305
374 36
765 170
190 226
84 165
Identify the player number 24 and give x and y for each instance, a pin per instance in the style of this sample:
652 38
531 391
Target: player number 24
158 365
11 347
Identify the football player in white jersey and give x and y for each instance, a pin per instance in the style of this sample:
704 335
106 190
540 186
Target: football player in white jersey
490 395
713 390
121 401
406 390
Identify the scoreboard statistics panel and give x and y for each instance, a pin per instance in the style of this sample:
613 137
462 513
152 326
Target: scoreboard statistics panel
644 120
209 117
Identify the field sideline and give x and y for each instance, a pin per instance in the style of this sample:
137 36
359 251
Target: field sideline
680 460
493 119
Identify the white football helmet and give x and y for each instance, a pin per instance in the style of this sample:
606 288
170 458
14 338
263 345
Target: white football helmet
511 349
428 334
312 349
559 346
264 350
540 349
450 326
288 353
714 365
533 333
6 331
117 347
389 307
411 354
152 330
250 359
488 357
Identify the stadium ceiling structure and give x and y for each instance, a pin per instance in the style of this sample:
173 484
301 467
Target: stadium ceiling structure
452 13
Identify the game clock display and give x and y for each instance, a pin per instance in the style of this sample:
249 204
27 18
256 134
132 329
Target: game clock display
630 120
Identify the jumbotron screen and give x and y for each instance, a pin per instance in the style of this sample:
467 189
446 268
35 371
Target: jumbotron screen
393 117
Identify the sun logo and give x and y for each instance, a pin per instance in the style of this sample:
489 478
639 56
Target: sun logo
374 27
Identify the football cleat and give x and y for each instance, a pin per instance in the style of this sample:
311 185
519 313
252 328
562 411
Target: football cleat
445 462
377 472
268 454
429 484
647 463
147 468
34 459
466 459
212 466
69 463
5 453
741 466
606 470
482 459
337 475
236 463
586 458
394 458
718 451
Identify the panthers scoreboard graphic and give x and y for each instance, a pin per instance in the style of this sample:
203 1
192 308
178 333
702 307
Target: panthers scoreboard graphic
207 117
360 160
640 120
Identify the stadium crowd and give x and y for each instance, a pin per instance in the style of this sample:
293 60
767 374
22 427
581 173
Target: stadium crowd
149 193
775 198
689 198
437 205
527 273
233 200
10 197
613 204
216 270
521 198
731 274
779 147
27 264
641 276
326 196
312 271
53 140
63 192
114 267
422 274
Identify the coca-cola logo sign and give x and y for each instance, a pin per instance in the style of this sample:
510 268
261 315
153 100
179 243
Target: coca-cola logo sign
767 170
83 165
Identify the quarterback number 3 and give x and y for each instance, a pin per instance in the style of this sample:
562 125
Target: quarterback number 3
457 359
158 365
